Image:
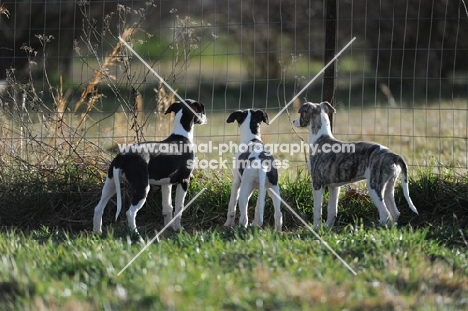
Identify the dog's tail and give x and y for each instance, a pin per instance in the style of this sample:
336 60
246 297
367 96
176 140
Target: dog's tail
116 173
404 176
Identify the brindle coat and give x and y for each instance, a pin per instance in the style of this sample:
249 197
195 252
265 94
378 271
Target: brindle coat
334 163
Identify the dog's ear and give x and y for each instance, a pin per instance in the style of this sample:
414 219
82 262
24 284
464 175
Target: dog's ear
195 105
261 115
305 107
175 107
327 107
237 115
199 109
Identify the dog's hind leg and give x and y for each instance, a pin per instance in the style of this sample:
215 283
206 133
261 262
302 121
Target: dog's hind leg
333 194
377 197
139 199
260 207
275 197
389 198
318 199
231 214
166 203
181 192
259 210
244 196
107 192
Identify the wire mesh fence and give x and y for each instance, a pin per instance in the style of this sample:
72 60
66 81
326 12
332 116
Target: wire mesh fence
70 92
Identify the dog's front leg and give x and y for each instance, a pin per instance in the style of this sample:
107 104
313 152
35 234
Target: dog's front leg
166 203
318 197
333 194
181 192
231 214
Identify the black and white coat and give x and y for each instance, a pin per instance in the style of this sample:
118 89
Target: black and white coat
253 169
164 163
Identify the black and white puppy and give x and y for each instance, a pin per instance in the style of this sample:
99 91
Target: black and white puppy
163 163
254 168
335 163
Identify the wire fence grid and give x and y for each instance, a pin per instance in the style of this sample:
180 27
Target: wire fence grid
70 92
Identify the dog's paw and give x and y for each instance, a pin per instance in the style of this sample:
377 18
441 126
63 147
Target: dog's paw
177 228
256 223
134 236
243 222
279 222
229 223
167 218
279 226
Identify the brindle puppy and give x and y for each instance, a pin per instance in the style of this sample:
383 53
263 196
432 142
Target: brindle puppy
335 163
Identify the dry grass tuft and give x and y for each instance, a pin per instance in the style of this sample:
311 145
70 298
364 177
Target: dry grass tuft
90 93
4 11
164 100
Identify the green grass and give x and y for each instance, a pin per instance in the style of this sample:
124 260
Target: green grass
49 259
233 270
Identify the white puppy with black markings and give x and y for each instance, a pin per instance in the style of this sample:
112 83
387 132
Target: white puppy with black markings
333 165
255 168
165 163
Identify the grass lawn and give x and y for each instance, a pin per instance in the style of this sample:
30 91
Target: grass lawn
421 264
397 268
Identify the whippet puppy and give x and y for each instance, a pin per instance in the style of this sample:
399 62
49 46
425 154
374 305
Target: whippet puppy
335 163
164 163
254 168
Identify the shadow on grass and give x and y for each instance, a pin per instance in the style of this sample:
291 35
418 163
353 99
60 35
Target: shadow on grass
31 205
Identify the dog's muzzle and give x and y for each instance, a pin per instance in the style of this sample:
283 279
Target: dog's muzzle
297 122
201 119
